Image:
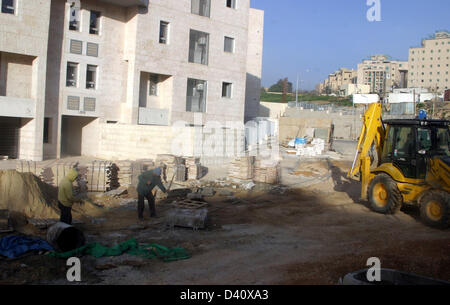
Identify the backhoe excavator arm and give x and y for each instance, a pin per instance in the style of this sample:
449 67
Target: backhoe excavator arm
372 133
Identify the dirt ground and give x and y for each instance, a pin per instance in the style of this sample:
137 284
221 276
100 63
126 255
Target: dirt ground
314 233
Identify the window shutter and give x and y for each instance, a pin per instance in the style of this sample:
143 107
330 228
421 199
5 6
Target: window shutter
92 49
89 104
76 47
73 102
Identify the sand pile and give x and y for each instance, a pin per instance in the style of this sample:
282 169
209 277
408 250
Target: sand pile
26 194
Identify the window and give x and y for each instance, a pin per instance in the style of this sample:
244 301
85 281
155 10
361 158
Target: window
46 130
74 19
226 89
229 45
91 77
94 25
164 32
198 47
153 85
72 74
8 6
231 3
443 141
196 95
201 7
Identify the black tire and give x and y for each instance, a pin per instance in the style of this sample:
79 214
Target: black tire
391 200
435 209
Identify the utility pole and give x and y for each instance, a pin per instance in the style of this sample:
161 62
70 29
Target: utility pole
296 93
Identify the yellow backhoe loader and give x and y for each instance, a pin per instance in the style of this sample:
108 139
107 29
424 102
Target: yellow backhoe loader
404 162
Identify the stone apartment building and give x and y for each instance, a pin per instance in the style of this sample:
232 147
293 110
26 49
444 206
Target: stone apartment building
429 64
382 74
110 78
336 80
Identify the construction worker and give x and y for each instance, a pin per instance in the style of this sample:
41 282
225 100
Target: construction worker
147 182
66 199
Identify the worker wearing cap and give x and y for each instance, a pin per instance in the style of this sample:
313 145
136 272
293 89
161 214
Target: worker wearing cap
66 199
147 182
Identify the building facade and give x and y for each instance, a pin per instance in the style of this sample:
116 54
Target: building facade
23 66
382 74
336 80
100 64
429 64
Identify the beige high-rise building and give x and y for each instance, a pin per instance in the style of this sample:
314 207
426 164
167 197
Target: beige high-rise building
109 78
382 74
429 64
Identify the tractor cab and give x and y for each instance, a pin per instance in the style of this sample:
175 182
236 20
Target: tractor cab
410 143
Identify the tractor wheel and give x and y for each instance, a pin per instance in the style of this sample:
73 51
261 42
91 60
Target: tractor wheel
435 209
384 195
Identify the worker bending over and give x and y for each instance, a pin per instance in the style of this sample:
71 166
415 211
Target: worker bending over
66 199
147 182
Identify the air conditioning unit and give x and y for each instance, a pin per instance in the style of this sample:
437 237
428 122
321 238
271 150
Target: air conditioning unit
200 87
71 83
90 85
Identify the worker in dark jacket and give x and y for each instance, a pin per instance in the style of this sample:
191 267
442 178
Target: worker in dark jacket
147 182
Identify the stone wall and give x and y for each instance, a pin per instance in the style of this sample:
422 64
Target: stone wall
346 126
133 142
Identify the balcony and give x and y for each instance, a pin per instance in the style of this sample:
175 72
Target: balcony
17 107
128 3
153 116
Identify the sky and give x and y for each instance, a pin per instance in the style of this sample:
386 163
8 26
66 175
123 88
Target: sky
314 38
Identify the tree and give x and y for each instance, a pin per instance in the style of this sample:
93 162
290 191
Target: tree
278 87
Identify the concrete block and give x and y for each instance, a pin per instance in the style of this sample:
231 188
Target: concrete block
187 218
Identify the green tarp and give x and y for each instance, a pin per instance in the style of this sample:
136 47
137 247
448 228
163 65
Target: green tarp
131 247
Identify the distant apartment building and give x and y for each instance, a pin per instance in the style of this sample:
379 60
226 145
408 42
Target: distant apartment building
350 89
336 80
78 76
382 74
429 64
